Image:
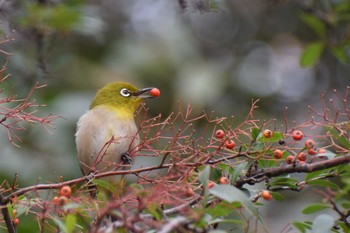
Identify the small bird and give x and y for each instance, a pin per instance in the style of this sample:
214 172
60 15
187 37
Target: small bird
107 132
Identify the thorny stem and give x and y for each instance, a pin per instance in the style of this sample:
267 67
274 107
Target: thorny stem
12 117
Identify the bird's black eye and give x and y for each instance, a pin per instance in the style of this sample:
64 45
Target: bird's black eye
125 92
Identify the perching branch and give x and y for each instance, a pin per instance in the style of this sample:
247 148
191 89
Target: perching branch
294 168
267 172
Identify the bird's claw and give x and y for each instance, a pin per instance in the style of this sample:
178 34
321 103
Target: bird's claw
90 176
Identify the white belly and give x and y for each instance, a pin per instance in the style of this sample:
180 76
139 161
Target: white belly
95 129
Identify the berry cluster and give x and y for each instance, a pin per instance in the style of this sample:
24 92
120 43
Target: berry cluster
63 197
301 157
229 143
15 220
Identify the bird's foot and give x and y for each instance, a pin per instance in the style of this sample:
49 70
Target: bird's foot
126 159
91 186
90 176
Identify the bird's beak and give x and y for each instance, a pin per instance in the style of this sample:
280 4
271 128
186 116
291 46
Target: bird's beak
139 93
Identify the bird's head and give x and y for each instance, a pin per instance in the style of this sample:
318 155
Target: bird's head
121 96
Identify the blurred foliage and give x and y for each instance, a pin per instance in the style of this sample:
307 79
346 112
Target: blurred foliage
59 17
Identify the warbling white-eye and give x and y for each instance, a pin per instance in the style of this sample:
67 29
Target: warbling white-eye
107 132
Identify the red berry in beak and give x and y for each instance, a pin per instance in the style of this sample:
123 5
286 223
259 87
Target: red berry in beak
155 92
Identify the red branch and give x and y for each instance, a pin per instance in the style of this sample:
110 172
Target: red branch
16 111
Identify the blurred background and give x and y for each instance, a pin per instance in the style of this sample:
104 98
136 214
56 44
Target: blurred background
214 55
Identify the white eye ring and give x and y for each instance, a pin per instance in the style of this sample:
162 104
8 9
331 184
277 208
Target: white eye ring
125 92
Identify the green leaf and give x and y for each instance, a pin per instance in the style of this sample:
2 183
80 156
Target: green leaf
341 54
10 210
24 208
342 7
263 163
284 181
204 175
255 133
324 183
314 23
71 220
232 221
136 187
63 17
323 224
302 227
343 226
155 211
341 138
105 185
310 209
316 174
345 204
217 231
232 194
238 171
223 209
60 224
277 196
275 137
312 54
215 174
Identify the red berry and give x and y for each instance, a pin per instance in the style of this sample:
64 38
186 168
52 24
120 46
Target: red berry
155 92
219 133
267 133
211 184
309 143
63 200
302 156
56 200
224 180
266 195
298 135
302 162
14 212
15 221
320 152
189 192
290 159
311 151
59 201
277 154
230 144
65 191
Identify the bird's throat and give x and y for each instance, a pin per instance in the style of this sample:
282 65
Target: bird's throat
121 113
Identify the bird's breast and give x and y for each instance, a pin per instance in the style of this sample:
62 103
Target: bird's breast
102 136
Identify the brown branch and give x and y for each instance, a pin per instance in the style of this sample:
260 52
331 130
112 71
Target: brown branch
267 172
6 215
343 216
289 169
